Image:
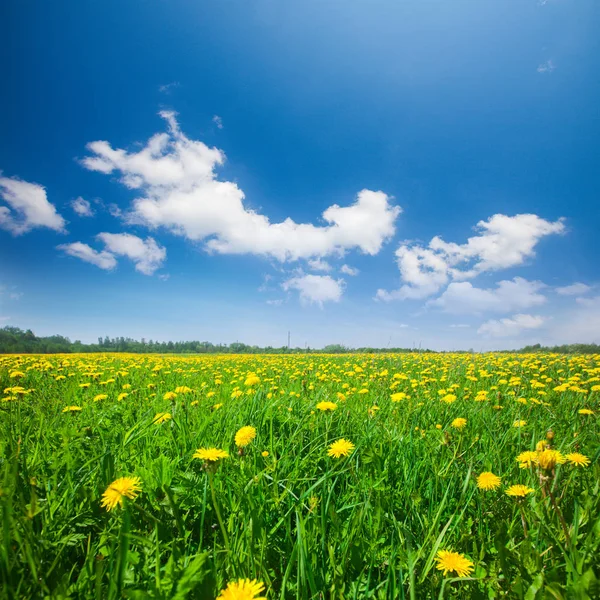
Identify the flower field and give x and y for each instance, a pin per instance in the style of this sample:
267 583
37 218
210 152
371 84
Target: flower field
300 476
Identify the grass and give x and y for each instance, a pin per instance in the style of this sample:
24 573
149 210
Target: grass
368 525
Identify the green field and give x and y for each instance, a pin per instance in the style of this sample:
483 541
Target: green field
288 504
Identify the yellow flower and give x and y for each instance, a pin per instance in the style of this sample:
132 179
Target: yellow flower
169 396
398 396
341 397
448 561
548 459
217 406
449 398
324 406
210 454
125 487
438 426
579 460
459 423
100 397
519 423
488 481
161 417
243 589
526 459
252 380
71 409
264 453
340 448
183 389
585 411
519 491
122 396
244 436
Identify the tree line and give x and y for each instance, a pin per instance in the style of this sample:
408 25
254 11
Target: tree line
14 340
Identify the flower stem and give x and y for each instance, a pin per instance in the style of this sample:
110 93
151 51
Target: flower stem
217 511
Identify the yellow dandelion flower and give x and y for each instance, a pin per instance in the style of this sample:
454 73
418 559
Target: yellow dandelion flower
122 396
448 561
264 453
342 447
519 491
252 380
548 459
325 406
243 589
449 398
161 417
124 487
459 423
488 481
577 459
519 423
100 397
210 454
398 396
71 409
244 436
169 396
526 459
585 411
217 406
438 426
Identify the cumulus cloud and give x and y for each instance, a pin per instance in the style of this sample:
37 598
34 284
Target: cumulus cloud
575 289
105 260
28 207
463 298
316 289
181 192
348 270
82 207
502 242
318 264
146 255
511 327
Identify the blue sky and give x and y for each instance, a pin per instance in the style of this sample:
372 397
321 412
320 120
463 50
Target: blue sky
366 173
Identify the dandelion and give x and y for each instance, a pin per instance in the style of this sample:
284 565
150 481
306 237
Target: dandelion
342 447
449 398
71 409
438 426
243 589
585 411
210 454
124 487
264 453
122 396
252 380
448 561
519 423
488 481
459 423
325 406
244 436
577 459
161 417
526 459
519 491
398 396
100 397
548 459
169 396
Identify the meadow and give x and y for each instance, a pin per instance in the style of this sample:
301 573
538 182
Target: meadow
308 476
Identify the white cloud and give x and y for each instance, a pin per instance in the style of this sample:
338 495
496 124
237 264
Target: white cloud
278 302
502 242
463 298
316 289
546 67
218 121
146 254
318 264
512 326
82 207
575 289
29 207
104 260
459 326
168 87
348 270
181 192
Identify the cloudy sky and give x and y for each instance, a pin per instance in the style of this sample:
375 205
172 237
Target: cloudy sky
367 173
